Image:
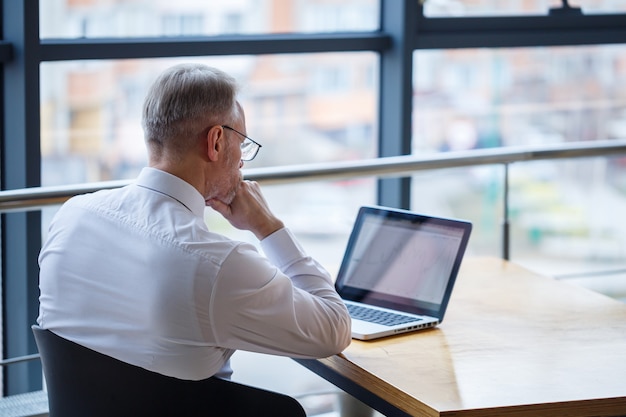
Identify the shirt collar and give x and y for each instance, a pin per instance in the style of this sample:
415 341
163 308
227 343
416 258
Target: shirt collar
172 186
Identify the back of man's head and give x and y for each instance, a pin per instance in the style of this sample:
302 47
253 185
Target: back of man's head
183 101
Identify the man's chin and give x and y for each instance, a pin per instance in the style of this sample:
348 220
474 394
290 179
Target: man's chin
229 198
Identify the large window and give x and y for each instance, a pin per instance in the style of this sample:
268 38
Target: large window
326 81
138 18
477 98
562 212
302 108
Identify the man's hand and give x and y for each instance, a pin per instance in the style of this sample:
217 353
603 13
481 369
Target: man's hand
249 211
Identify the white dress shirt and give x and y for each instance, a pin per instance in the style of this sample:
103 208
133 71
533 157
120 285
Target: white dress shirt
136 274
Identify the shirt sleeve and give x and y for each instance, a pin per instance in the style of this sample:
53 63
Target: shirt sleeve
282 304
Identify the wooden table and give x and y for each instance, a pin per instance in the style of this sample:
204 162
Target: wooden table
513 343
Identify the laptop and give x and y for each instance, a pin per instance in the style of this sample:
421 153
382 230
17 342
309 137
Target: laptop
398 270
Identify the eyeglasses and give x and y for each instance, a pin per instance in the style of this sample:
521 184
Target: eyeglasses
249 148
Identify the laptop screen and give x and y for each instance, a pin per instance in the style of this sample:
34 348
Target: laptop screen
402 260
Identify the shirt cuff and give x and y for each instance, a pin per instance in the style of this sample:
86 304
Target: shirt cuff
282 248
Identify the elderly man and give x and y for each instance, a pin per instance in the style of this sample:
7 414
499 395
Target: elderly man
135 273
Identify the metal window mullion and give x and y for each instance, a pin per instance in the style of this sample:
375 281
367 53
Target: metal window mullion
512 38
107 48
20 168
519 31
395 97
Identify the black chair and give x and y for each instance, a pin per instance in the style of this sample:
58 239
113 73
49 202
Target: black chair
82 382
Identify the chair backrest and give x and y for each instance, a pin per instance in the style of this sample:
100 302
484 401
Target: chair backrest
82 382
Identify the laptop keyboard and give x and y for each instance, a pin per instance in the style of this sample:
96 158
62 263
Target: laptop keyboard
377 316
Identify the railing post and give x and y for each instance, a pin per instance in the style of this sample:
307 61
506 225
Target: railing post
505 215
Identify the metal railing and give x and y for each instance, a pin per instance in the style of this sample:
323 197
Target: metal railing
37 197
19 359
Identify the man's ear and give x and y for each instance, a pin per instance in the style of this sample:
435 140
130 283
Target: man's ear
215 142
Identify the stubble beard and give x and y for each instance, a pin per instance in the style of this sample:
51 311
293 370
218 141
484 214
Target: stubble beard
234 188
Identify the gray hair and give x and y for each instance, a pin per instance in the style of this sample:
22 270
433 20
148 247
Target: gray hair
184 100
